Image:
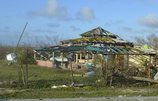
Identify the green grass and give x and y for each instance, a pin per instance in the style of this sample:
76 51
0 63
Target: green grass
41 74
80 92
42 79
35 72
7 72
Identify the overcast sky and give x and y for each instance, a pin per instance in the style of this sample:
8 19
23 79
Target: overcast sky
67 19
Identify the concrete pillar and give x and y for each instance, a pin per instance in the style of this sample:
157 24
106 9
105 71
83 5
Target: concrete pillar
53 59
93 57
62 59
80 55
53 56
87 55
34 55
76 58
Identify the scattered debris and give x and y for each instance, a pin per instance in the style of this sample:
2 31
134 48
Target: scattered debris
60 86
89 74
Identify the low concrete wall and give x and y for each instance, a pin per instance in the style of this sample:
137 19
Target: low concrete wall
44 63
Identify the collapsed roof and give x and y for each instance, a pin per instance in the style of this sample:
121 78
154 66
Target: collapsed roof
98 36
96 49
99 32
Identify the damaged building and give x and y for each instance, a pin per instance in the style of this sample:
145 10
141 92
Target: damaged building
115 53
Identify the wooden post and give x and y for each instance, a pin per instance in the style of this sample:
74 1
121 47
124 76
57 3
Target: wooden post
127 60
102 69
104 62
115 61
26 67
113 70
72 78
148 66
106 68
20 75
26 74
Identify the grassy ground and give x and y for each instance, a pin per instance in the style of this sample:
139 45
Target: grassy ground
41 81
77 92
10 73
40 74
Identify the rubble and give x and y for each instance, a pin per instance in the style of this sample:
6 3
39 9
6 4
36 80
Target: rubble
137 78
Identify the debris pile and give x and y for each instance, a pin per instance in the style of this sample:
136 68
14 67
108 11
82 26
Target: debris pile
134 77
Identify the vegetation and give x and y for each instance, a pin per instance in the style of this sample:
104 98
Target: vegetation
9 73
42 80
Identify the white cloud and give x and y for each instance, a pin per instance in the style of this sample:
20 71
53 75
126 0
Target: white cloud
52 7
52 10
150 21
86 14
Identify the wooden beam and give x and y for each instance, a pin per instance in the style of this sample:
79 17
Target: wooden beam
128 54
144 79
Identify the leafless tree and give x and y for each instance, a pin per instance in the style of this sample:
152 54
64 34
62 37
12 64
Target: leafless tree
54 40
140 41
47 41
151 40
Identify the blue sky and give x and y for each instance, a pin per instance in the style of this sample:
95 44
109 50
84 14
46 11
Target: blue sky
66 19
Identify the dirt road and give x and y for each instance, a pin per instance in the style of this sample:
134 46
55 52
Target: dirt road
120 98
